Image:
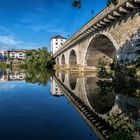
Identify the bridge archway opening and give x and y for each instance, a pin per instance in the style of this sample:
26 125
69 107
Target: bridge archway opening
100 47
100 102
63 59
72 81
72 58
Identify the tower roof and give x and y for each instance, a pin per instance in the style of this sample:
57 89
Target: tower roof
58 37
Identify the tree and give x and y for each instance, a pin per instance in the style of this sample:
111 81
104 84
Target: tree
39 58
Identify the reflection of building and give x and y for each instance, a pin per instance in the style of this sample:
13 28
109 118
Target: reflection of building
3 75
16 76
56 42
55 90
6 75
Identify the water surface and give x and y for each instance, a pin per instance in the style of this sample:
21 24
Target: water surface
30 110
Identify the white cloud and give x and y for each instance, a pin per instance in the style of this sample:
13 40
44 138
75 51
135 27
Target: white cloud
7 40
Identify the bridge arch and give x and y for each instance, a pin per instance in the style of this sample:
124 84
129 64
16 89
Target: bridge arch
73 57
100 46
63 61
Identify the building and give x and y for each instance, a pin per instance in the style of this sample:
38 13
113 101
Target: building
56 42
13 54
4 55
17 54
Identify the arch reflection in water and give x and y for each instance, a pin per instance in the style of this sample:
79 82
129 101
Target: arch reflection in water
107 113
100 102
63 77
72 81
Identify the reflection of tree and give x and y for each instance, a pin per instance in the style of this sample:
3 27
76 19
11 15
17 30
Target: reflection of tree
39 76
125 79
102 103
123 128
122 79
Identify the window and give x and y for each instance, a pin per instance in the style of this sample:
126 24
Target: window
56 43
20 54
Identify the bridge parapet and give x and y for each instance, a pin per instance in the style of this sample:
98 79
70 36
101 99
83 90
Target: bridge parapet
103 19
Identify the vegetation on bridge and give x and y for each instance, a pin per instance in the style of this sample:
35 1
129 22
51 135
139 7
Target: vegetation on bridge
78 3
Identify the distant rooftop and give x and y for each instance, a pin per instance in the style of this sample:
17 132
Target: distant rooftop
58 37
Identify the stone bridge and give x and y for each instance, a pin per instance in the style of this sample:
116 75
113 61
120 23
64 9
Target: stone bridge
115 32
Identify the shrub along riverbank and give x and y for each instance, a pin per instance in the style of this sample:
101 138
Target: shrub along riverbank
34 59
40 58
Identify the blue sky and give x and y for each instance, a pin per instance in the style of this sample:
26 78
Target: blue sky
27 24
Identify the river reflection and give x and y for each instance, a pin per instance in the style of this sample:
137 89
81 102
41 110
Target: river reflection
110 115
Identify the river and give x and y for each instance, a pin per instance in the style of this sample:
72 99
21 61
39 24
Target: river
63 106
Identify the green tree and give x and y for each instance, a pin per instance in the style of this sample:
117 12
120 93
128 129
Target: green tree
39 58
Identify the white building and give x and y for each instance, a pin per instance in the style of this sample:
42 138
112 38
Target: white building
55 90
17 54
14 54
56 42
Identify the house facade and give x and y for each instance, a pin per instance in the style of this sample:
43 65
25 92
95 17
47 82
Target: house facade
5 55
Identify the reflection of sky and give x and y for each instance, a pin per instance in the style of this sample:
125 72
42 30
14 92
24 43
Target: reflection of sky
28 111
5 86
